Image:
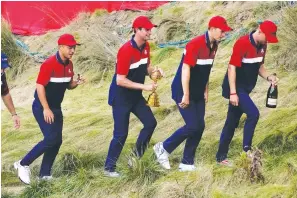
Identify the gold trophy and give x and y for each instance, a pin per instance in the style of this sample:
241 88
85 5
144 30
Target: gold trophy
153 99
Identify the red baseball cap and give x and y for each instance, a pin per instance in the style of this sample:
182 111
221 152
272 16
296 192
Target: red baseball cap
219 22
269 29
143 22
67 39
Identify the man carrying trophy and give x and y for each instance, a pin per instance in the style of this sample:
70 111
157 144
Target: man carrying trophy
190 92
125 93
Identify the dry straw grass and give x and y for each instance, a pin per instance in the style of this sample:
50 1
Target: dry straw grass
16 58
288 38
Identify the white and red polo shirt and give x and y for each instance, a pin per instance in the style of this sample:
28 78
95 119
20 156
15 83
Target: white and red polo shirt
132 61
55 76
247 56
200 56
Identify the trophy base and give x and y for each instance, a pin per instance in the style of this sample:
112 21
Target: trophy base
153 105
153 100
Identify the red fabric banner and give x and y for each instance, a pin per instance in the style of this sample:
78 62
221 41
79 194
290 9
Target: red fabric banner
33 17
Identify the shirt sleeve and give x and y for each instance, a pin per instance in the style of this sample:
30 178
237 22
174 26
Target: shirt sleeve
44 75
190 54
4 86
123 62
237 54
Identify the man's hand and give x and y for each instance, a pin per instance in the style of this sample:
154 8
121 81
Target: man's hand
150 87
80 80
74 83
234 100
206 96
16 121
185 102
160 70
48 116
273 79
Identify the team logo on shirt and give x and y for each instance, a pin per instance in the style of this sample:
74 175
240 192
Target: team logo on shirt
69 71
262 50
145 52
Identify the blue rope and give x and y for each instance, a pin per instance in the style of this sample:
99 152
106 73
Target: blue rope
180 44
27 51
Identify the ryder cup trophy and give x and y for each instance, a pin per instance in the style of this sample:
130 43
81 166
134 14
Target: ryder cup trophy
153 99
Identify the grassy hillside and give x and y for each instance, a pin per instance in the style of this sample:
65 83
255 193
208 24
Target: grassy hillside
88 122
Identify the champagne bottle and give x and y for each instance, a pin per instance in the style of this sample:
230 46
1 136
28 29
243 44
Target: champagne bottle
271 100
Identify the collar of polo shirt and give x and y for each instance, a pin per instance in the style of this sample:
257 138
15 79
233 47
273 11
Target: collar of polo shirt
134 44
59 59
253 42
207 41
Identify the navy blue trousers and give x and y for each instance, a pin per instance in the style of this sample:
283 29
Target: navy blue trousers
247 106
51 143
192 131
121 116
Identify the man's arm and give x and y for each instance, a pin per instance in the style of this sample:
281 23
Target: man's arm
186 87
9 104
263 72
72 84
232 83
206 92
123 81
271 78
47 112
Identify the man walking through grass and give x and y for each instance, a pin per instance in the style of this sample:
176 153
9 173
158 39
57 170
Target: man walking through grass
190 92
125 94
6 97
55 76
246 63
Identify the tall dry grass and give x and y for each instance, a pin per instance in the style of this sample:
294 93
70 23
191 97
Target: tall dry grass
16 58
288 39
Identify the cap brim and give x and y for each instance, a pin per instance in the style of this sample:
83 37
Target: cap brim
72 44
226 29
271 39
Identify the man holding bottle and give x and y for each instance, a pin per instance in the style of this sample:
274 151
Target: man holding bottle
246 63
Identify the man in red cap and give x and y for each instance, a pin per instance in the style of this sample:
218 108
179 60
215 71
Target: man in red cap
55 76
6 97
246 63
125 94
190 93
